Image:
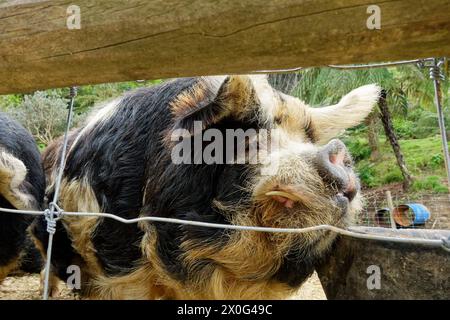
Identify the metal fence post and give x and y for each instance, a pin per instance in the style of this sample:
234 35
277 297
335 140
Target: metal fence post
437 75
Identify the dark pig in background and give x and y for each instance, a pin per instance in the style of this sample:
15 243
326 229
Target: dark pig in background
22 186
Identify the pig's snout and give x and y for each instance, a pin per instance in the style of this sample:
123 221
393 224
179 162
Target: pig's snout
334 164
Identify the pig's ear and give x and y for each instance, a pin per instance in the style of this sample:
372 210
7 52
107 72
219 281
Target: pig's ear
328 122
211 99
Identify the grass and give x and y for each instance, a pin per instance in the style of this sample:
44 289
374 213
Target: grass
423 158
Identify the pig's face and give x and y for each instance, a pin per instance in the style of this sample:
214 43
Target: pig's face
311 181
303 178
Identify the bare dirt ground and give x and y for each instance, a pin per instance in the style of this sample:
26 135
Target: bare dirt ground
26 287
311 290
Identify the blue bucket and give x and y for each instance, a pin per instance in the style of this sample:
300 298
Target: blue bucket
411 214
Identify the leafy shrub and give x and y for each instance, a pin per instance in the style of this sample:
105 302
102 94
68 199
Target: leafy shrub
393 176
415 114
367 175
359 149
10 101
404 128
437 161
43 114
427 125
92 94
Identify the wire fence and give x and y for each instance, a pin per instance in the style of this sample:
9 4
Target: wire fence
419 211
55 213
419 62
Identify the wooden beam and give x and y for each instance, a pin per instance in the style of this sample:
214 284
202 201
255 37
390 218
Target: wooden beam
407 271
148 39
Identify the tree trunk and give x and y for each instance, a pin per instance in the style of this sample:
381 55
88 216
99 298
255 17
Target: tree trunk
390 134
372 136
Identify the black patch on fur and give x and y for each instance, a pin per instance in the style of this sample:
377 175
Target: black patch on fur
31 260
116 157
63 255
298 265
12 233
126 159
187 191
310 132
19 142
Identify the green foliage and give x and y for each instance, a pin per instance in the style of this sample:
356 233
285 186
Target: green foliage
422 155
430 183
92 94
324 86
43 114
367 175
10 101
358 148
41 146
437 160
419 123
406 86
395 175
427 125
415 114
423 158
403 128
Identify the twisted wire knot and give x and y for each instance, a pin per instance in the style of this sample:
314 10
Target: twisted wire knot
436 72
52 215
73 92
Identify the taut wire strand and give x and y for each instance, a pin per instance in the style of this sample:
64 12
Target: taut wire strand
324 227
419 62
54 213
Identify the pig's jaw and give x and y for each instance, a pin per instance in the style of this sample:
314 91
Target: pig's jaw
294 207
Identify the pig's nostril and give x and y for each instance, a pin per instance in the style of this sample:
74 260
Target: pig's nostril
350 193
335 167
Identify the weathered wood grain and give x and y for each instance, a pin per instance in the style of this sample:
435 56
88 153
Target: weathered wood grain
148 39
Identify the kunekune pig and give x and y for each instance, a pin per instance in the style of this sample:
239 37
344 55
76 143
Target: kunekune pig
22 187
121 161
